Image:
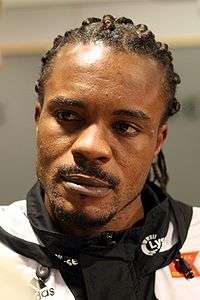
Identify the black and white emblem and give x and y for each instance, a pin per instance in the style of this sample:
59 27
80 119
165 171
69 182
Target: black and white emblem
151 244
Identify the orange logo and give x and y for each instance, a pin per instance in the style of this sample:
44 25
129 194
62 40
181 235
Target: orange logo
193 258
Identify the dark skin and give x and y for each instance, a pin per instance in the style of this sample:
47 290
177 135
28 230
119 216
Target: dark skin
113 122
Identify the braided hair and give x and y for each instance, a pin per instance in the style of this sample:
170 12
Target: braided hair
121 34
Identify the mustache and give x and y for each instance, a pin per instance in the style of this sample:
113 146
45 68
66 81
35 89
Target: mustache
89 170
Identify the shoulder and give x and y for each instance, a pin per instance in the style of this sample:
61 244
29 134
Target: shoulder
168 279
13 216
192 242
14 221
195 216
15 206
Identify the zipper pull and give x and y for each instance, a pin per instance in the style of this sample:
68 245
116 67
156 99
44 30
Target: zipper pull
42 274
182 266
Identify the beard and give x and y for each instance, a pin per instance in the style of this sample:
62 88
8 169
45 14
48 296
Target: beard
78 217
81 220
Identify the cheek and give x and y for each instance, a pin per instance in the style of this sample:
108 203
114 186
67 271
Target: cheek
135 158
51 142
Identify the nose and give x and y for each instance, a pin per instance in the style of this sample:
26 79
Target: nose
92 145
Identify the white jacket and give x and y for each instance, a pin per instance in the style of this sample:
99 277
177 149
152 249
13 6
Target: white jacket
169 284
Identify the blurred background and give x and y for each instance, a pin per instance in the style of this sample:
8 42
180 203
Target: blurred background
27 28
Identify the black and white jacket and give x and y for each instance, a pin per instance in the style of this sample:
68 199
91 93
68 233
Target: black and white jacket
155 259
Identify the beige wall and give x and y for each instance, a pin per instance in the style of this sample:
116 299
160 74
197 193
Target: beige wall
175 21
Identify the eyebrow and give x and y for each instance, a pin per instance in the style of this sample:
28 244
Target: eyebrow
62 101
136 114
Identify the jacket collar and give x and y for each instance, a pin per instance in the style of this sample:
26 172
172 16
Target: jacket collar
122 261
155 241
160 235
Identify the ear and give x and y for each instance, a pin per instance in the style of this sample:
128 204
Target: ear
37 113
162 135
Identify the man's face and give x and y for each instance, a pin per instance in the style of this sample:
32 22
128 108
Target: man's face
98 133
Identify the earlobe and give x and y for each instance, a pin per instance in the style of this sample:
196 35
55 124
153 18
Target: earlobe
162 135
37 113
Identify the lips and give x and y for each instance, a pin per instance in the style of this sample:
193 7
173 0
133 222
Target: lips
86 180
86 185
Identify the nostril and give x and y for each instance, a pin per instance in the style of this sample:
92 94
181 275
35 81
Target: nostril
83 159
79 158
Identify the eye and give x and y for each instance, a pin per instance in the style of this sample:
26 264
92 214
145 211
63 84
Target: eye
125 128
67 115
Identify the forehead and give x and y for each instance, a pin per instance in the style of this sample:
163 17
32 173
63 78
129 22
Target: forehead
94 70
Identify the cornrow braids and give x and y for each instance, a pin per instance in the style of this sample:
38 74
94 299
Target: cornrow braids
123 35
160 171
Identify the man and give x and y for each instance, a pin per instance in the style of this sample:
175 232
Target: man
98 223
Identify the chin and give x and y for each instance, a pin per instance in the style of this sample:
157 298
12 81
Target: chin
74 210
87 217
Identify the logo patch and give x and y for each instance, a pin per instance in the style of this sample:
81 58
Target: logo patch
151 244
43 293
193 258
